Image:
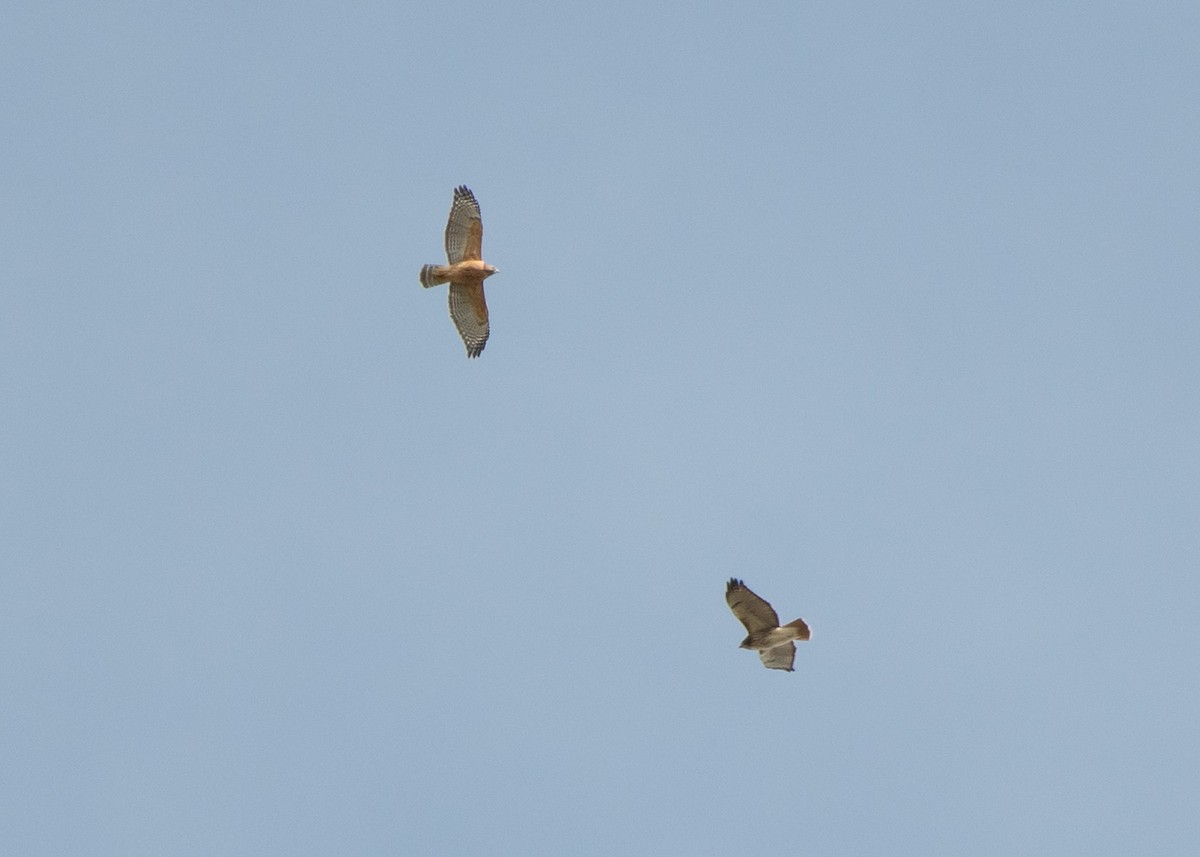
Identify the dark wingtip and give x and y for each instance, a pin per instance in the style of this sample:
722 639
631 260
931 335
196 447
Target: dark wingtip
733 584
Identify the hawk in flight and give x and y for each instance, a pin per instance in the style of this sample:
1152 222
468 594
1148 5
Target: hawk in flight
466 271
773 642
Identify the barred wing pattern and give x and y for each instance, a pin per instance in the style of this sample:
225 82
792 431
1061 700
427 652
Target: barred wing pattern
464 229
470 314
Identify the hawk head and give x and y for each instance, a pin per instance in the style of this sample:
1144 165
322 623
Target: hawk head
488 270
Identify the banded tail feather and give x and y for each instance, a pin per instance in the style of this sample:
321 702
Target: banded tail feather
433 275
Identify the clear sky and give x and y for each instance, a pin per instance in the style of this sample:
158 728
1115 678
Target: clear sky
889 309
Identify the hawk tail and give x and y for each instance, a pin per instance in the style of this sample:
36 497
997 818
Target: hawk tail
433 275
802 632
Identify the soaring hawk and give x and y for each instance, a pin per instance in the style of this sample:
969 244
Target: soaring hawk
466 271
773 642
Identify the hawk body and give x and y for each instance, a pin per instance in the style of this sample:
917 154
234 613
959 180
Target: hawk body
465 272
773 642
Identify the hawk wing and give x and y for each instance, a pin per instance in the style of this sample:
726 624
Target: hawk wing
780 657
468 308
464 229
753 612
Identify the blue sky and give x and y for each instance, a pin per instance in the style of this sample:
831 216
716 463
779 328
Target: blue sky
889 310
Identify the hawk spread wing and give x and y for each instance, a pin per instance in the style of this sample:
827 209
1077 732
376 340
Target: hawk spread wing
469 311
779 658
751 610
464 229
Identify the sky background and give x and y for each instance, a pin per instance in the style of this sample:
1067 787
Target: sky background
889 309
